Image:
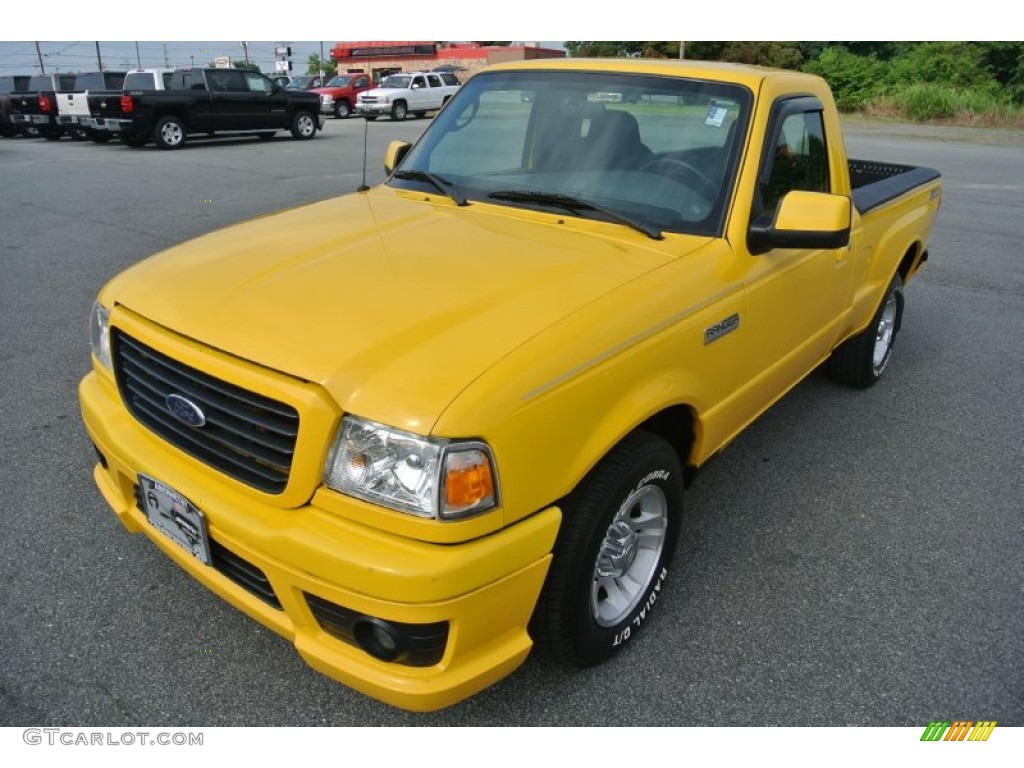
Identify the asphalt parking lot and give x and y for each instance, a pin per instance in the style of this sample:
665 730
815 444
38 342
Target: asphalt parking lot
854 558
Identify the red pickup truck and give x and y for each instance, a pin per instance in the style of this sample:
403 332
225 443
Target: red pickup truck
338 97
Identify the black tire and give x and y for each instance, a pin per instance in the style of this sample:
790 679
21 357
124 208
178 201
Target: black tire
265 136
134 140
303 126
371 118
420 114
78 134
637 487
342 109
170 133
860 361
399 110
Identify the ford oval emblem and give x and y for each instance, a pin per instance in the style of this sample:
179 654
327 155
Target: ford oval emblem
185 411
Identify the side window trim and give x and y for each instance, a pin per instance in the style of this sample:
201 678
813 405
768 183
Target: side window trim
781 109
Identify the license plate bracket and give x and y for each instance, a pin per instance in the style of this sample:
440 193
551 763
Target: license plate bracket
176 517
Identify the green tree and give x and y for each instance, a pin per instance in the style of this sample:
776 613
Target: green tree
763 53
960 65
252 66
313 65
854 80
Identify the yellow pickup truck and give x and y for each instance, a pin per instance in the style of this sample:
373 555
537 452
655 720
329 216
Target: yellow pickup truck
417 428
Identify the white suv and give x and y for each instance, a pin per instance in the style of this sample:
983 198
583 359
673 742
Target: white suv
405 92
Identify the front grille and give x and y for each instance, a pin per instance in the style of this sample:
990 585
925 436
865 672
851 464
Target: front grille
243 573
424 643
246 436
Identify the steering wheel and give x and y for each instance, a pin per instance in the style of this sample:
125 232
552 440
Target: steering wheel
686 173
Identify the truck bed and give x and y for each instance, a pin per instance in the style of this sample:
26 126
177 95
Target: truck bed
874 183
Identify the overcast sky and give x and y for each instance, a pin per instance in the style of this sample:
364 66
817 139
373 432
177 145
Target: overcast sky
21 58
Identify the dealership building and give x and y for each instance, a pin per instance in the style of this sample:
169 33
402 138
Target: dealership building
382 58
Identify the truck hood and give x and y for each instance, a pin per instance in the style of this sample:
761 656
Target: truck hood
392 302
378 92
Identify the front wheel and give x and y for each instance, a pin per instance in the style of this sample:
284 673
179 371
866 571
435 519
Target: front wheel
399 111
303 126
861 360
342 109
613 551
169 133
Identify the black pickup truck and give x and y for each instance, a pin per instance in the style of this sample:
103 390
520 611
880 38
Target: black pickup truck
35 108
217 102
10 84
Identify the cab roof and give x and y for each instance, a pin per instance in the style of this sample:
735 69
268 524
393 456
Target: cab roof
743 74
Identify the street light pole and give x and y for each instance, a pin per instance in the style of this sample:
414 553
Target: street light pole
39 53
245 47
99 59
138 56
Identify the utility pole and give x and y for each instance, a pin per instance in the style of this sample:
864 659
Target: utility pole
245 47
138 56
39 53
167 62
99 59
321 60
682 49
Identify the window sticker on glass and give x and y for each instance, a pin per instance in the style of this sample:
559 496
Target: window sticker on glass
716 116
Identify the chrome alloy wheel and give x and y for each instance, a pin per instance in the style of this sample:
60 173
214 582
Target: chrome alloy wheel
628 558
306 125
885 332
172 134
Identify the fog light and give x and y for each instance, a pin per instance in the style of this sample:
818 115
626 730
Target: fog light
379 638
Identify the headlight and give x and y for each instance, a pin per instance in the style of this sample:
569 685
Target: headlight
385 99
425 477
326 99
99 334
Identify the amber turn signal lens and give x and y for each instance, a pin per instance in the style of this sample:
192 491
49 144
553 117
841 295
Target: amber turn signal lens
468 482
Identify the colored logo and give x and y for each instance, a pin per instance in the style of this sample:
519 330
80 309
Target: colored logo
960 730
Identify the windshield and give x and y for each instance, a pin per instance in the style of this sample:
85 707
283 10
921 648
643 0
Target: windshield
339 82
396 81
661 151
298 83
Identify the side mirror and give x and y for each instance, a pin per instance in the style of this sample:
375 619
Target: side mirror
808 220
395 153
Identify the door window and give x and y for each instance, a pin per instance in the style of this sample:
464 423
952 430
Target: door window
257 83
798 159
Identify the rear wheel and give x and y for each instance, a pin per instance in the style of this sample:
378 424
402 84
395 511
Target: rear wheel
619 531
861 361
399 111
169 133
303 126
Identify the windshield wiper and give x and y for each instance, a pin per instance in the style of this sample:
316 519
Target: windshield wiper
440 184
574 204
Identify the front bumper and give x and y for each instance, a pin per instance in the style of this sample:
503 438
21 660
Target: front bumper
484 589
373 109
